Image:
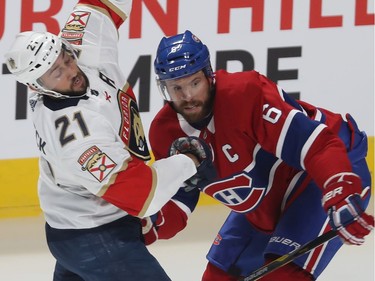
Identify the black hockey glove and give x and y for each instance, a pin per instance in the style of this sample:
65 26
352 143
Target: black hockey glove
206 171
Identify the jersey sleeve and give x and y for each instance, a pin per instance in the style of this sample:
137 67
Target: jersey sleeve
101 163
283 128
92 27
118 10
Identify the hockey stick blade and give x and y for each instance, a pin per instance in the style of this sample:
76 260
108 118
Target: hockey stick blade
287 258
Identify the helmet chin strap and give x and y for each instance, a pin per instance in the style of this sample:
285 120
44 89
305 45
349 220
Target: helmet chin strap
58 95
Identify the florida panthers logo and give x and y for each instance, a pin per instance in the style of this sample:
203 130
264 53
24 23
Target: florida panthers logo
237 193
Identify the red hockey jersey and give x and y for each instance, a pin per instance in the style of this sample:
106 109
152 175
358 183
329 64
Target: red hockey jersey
261 140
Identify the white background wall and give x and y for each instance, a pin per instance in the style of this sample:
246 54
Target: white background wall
335 69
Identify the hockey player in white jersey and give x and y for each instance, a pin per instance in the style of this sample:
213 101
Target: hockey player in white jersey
94 184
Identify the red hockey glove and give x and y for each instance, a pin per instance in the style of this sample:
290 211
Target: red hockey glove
344 206
171 219
150 227
206 171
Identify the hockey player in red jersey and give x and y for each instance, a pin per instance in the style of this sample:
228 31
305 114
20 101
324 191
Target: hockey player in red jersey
94 184
289 170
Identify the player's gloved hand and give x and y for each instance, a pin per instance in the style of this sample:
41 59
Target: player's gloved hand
206 171
150 227
343 202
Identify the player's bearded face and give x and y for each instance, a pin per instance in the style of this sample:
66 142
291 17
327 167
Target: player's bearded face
191 96
65 76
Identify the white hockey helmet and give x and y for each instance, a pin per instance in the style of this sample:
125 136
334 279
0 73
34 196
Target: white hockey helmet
31 55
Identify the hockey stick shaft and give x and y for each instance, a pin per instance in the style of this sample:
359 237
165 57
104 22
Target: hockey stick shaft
285 259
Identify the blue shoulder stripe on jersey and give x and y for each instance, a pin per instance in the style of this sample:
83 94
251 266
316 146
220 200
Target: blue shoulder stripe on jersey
291 101
297 134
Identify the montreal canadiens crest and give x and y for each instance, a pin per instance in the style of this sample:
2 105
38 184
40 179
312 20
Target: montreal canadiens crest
237 192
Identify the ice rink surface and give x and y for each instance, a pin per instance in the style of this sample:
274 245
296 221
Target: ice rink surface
24 255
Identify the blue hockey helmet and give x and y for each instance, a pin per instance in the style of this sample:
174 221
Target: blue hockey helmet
180 55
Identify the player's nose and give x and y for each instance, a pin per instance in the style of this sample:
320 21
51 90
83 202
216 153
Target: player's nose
187 94
70 72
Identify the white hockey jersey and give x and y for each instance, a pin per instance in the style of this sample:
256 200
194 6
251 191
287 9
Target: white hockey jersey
93 149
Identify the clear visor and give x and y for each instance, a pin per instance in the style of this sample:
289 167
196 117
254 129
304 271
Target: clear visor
182 88
162 87
53 76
